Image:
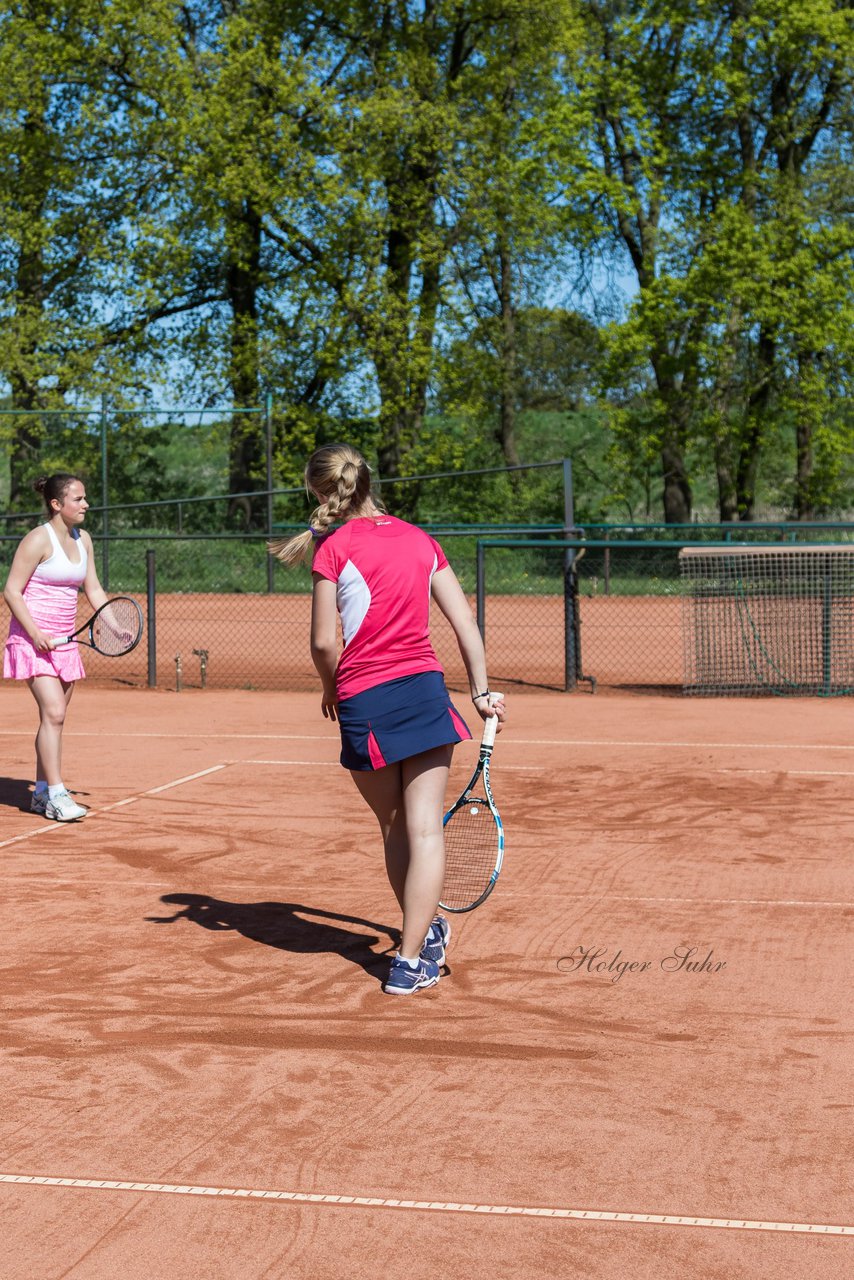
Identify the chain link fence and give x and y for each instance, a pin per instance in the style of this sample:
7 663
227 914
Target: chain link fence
640 616
587 614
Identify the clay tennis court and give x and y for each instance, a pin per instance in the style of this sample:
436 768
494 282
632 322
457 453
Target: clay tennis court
202 1077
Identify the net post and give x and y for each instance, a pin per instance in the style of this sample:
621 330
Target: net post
151 601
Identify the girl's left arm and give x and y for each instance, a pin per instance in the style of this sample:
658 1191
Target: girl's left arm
95 593
324 639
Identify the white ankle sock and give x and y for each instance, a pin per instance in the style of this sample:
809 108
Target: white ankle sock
54 791
413 964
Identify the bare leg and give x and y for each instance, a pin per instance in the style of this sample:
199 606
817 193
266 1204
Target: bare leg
407 799
382 790
425 780
52 697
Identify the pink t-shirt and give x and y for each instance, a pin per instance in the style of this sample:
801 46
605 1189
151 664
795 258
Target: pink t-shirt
383 568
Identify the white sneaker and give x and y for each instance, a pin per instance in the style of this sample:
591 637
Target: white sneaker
38 802
63 808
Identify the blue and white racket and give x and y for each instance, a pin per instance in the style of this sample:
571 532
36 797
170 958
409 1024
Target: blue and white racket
474 835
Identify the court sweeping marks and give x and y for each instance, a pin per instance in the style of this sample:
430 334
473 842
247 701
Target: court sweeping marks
118 804
434 1206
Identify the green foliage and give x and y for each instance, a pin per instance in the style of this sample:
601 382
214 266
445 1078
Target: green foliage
397 220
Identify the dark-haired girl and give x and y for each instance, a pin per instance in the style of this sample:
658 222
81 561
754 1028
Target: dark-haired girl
52 563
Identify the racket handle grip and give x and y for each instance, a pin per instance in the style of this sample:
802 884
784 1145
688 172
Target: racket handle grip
490 726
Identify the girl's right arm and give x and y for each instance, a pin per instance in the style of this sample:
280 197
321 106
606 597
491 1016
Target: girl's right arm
32 549
450 598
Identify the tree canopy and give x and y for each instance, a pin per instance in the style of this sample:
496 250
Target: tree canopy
381 214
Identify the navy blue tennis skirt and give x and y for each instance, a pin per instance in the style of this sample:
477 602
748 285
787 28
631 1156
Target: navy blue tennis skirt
396 720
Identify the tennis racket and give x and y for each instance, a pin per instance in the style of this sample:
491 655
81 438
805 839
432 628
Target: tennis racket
113 630
474 836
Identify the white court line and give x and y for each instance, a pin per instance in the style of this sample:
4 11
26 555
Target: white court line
700 902
597 898
538 768
435 1206
524 742
308 764
798 773
334 764
118 804
165 733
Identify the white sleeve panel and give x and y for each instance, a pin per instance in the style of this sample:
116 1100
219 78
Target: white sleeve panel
354 600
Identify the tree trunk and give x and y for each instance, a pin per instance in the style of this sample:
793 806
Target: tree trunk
404 345
506 428
676 490
727 495
29 288
750 444
676 493
246 462
25 446
804 504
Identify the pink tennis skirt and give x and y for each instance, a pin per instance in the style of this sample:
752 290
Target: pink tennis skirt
22 660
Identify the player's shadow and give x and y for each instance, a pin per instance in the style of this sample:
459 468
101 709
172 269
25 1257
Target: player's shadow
15 793
284 925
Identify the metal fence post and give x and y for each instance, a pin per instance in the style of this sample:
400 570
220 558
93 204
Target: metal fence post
151 595
570 658
570 637
480 589
568 502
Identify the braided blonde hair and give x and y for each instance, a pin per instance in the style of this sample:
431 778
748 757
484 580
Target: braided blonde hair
340 477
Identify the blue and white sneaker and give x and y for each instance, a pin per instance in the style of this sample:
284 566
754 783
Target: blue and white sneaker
64 808
438 937
402 979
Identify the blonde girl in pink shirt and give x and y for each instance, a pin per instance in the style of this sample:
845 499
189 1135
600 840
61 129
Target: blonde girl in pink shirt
387 691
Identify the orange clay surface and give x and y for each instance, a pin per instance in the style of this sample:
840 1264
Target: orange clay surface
192 1003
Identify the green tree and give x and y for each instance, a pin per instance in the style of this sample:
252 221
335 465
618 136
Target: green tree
92 272
710 124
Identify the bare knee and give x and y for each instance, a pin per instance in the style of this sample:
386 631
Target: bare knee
423 829
53 715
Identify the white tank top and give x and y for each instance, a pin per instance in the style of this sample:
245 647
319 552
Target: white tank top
58 570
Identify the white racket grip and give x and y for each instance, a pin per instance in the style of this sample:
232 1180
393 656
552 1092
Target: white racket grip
490 725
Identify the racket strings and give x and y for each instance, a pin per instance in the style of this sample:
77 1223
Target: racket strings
471 847
116 627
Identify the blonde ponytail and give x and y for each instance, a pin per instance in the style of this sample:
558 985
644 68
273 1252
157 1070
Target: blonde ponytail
340 477
292 550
